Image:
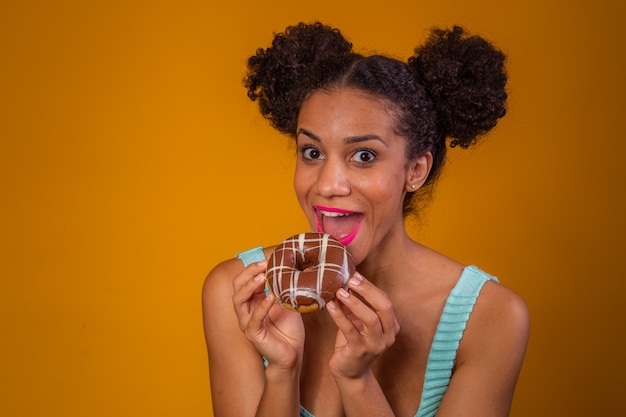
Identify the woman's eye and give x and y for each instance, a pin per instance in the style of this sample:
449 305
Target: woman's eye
364 156
311 153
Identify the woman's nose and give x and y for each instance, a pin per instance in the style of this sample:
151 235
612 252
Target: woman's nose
332 179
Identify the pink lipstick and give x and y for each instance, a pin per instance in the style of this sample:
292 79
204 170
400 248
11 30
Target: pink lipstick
342 224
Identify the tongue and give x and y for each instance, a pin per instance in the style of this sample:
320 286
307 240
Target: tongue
340 227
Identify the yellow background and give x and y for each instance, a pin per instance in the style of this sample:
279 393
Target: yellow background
131 162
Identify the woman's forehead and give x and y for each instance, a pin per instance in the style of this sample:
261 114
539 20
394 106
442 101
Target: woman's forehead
346 108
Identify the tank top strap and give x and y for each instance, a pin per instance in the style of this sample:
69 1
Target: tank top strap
452 323
251 255
304 412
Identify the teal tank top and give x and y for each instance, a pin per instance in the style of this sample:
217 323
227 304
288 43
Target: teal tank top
452 323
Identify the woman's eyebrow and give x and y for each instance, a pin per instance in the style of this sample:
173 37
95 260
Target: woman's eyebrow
348 139
309 134
364 138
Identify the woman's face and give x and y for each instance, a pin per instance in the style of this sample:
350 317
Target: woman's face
352 171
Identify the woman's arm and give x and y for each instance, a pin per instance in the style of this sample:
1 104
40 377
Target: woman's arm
237 340
490 356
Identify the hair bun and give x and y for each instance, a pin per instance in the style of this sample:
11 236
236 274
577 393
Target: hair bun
465 77
279 74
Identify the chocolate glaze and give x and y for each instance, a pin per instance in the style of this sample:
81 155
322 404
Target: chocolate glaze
307 269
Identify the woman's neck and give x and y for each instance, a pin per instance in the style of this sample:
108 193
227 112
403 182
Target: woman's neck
391 260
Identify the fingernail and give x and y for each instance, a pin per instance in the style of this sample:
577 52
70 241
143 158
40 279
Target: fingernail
331 305
259 277
356 279
343 293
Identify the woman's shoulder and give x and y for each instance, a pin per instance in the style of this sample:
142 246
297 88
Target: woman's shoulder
446 273
512 309
220 277
497 305
496 299
500 321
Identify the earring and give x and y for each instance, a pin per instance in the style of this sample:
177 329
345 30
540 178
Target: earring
413 186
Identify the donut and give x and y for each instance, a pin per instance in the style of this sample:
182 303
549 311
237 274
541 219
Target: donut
306 270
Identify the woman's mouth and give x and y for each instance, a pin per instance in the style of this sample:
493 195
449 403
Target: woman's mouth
341 224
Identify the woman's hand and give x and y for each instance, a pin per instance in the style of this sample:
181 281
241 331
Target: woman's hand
276 333
367 327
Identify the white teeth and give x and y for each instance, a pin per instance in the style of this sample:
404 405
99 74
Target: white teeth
333 213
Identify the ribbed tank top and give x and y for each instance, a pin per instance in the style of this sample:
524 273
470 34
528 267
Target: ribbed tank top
452 323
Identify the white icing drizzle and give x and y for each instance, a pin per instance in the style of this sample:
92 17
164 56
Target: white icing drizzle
296 245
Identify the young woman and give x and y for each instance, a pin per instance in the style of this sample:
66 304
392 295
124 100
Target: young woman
416 333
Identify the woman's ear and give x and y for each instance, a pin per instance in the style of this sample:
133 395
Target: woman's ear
417 172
